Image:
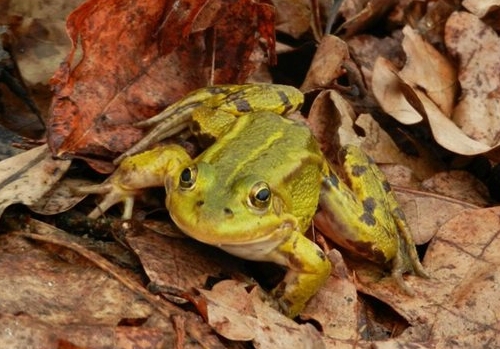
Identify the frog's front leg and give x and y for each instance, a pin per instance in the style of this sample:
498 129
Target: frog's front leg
135 173
307 270
365 218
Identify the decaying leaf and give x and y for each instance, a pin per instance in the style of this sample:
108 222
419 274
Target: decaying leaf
331 120
236 314
26 177
60 198
175 266
137 58
476 46
459 185
327 64
480 7
407 99
438 79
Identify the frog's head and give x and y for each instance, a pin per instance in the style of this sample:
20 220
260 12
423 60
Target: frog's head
232 213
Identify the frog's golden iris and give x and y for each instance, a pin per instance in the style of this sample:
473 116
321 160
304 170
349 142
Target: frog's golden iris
255 190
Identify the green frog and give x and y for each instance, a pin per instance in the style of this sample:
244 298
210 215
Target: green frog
256 189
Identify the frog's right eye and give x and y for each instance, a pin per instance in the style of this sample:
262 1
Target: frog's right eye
260 195
187 179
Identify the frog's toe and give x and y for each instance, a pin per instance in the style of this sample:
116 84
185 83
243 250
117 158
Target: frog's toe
103 188
112 196
111 199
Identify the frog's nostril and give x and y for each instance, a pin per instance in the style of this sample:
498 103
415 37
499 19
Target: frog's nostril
200 203
228 211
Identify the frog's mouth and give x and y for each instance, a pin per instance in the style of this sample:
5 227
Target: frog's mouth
254 242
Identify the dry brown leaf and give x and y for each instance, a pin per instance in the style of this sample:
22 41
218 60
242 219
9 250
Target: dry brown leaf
361 14
390 90
41 41
178 265
336 306
408 105
459 185
480 7
130 60
427 212
62 294
331 120
81 296
293 17
26 177
381 147
366 48
327 63
61 197
447 133
428 70
477 48
236 314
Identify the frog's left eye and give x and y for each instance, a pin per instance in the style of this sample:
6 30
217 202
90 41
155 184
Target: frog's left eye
187 179
260 195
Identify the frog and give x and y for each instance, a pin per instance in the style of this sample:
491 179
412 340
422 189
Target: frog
255 191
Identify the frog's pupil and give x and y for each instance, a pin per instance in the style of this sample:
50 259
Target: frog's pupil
263 195
186 175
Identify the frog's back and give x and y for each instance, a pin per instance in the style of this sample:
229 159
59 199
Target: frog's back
267 147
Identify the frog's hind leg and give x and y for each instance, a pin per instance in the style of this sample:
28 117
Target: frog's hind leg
406 238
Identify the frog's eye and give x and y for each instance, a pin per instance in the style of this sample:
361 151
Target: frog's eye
260 195
187 179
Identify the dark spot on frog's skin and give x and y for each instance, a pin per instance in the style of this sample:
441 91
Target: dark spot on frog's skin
215 90
242 106
296 262
368 219
334 180
367 250
369 205
286 101
386 186
321 255
195 127
358 170
398 212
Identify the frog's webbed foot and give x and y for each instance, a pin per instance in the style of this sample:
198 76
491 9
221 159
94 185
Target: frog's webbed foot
113 194
404 263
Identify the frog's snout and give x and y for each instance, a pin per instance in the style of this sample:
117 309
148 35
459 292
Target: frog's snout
228 212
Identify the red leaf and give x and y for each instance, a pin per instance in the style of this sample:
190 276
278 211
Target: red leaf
137 57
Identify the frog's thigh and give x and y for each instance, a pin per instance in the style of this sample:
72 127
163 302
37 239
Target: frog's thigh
308 269
209 124
366 179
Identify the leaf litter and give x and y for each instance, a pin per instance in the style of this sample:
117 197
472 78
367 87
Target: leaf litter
439 81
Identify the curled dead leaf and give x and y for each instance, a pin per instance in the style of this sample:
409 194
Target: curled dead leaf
476 47
327 63
240 315
26 177
438 79
480 7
